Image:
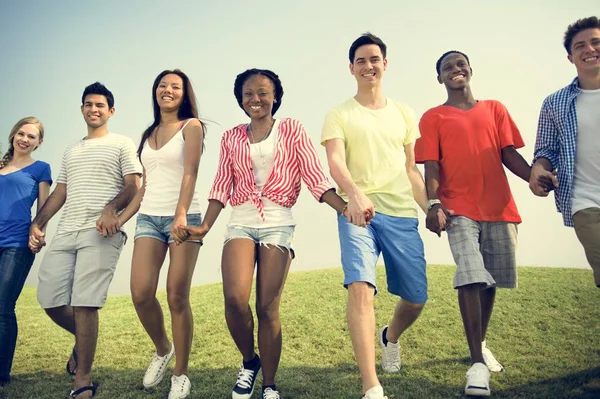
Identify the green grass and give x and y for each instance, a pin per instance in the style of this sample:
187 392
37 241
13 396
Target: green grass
546 333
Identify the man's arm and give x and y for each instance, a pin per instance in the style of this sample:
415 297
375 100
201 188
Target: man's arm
108 222
358 202
545 153
516 163
437 214
52 205
415 177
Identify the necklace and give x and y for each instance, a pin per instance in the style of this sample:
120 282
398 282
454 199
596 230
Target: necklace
258 144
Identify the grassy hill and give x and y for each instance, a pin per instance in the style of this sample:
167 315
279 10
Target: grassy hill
546 333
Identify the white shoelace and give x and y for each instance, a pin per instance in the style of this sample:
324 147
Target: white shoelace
245 377
270 394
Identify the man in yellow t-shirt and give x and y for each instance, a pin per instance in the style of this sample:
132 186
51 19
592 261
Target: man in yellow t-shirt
370 149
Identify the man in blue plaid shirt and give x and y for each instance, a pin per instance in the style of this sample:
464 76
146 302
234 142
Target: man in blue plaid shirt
568 141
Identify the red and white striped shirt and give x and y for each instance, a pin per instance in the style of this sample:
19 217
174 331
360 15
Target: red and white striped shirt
295 159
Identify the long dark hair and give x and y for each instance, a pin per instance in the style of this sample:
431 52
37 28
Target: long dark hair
187 110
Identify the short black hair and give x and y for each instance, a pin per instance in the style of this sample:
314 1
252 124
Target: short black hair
364 39
578 26
438 63
272 76
98 88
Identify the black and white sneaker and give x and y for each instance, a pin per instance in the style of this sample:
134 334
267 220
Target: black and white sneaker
244 386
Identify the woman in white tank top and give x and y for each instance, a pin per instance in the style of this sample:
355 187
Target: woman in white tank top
170 152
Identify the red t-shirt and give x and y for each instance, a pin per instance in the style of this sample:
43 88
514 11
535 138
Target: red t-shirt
468 145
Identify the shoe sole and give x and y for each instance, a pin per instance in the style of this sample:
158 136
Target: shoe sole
476 391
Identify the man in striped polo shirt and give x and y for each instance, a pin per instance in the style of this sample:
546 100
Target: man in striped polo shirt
98 178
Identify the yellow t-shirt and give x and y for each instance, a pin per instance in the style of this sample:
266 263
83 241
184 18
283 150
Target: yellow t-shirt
374 140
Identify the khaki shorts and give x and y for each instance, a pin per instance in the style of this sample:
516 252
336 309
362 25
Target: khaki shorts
78 268
587 228
484 252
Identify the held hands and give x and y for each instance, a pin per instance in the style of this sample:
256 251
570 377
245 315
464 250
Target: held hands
108 224
183 233
37 239
178 222
438 219
359 210
542 181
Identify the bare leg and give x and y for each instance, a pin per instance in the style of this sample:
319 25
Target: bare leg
148 257
273 267
470 309
64 317
405 315
486 300
237 265
86 338
361 323
181 269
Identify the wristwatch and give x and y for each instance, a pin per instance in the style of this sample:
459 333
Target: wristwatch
433 202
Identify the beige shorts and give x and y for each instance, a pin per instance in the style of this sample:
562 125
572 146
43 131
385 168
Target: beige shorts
78 268
587 228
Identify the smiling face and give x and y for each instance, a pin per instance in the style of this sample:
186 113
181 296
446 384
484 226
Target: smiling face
585 50
258 95
369 65
169 93
455 72
95 110
26 139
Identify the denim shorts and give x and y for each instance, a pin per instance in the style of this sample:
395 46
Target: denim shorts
398 239
280 237
159 227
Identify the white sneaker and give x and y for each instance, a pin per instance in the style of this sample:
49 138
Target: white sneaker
390 354
375 393
180 387
478 380
269 393
489 359
156 370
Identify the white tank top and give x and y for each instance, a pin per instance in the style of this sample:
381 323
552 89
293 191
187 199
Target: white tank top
164 173
262 155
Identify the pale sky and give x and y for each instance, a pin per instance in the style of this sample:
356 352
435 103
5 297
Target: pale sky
51 50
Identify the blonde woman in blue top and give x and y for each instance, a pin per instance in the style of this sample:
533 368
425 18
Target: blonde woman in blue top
23 181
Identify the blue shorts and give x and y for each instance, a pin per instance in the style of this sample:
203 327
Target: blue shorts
403 254
159 227
280 237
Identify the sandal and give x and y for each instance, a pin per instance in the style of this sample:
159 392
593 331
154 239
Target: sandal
76 392
74 356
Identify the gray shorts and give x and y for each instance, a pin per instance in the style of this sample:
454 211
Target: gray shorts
78 268
484 252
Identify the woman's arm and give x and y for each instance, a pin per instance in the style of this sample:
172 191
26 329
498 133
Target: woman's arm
193 135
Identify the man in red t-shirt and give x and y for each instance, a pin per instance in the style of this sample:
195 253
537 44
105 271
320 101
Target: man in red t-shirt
464 144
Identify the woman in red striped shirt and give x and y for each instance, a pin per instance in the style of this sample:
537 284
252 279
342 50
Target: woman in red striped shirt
260 170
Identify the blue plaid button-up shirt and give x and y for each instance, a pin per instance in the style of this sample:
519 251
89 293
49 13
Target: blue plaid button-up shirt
556 141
